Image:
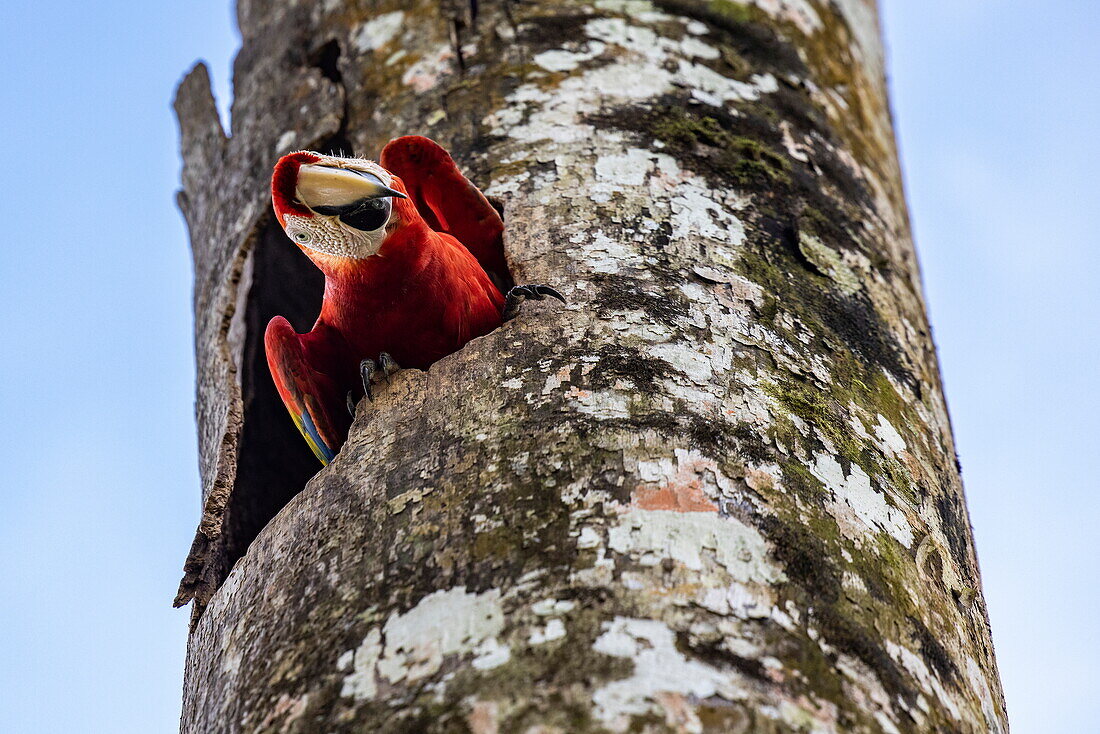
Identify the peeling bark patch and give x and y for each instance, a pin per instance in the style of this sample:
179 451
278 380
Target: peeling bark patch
735 28
413 645
704 139
857 507
377 32
677 498
653 535
659 668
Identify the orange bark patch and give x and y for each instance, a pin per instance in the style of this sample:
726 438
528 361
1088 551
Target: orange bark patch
483 718
685 497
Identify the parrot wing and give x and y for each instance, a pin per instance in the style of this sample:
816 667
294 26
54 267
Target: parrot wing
305 391
449 202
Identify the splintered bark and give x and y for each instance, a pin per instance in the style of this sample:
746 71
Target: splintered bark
717 492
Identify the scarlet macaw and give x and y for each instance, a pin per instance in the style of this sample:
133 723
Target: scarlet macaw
413 259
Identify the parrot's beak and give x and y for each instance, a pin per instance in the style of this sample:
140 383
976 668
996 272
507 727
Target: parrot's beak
325 188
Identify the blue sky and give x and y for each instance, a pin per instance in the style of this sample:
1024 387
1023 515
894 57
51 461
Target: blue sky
997 112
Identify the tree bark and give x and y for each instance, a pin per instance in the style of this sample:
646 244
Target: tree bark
717 492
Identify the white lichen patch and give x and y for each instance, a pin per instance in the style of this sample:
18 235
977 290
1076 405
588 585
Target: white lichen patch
651 65
362 682
979 683
628 169
686 482
552 607
862 18
693 47
696 213
916 666
605 255
739 600
889 436
554 630
588 538
644 41
686 537
412 646
562 59
427 71
285 143
698 367
659 668
556 379
603 404
491 654
859 510
797 150
799 12
829 262
378 31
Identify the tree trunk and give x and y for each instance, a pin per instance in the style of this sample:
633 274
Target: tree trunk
717 492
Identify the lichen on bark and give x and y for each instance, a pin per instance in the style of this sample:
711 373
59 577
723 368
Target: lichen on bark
717 492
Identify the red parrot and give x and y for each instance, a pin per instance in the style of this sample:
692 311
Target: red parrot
413 259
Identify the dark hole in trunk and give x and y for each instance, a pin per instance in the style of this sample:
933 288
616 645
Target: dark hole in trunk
326 58
274 463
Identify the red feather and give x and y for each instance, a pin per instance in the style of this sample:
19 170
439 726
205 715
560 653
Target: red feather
447 200
284 181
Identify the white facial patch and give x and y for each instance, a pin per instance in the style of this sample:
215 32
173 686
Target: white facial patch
332 237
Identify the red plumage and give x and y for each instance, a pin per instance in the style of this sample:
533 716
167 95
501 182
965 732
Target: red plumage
447 200
284 179
422 295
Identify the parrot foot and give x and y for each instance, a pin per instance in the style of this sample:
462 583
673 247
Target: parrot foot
372 371
517 295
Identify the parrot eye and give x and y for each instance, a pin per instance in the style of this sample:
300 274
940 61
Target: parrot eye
368 214
302 237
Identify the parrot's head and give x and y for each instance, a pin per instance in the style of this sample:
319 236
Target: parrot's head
343 207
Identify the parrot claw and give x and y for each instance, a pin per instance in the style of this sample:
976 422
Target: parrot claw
369 370
389 365
517 295
351 404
